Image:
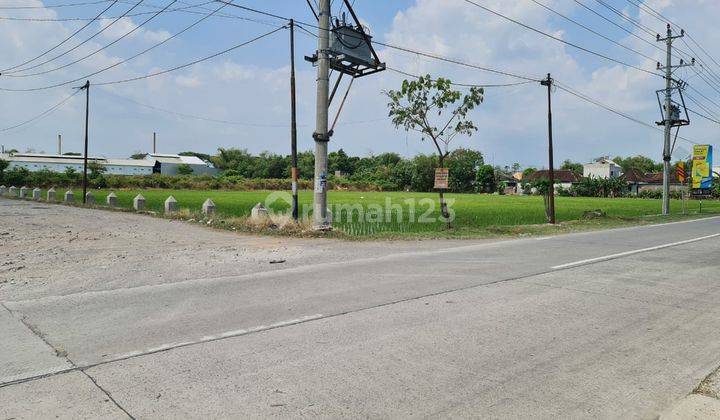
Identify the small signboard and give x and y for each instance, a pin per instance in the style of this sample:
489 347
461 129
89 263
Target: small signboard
681 173
442 178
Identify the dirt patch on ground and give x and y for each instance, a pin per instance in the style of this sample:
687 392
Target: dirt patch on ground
50 250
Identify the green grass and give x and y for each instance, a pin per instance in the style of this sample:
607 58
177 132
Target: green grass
476 215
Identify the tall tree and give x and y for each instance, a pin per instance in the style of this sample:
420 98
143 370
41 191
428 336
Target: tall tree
569 165
436 111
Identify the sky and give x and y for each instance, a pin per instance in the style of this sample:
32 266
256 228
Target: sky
241 99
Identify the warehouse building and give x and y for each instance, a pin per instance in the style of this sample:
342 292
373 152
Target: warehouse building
169 164
59 163
153 163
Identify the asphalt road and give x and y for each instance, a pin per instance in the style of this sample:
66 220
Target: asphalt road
613 324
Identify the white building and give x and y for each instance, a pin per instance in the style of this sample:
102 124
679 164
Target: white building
168 164
603 168
59 163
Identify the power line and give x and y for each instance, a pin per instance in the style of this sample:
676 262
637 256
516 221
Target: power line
55 6
627 18
185 9
436 57
44 113
624 29
597 103
592 30
135 28
227 122
197 22
571 44
78 45
466 84
64 40
200 60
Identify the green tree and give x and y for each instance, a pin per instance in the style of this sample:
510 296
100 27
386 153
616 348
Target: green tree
485 179
340 161
4 164
422 105
463 165
641 163
569 165
184 169
423 177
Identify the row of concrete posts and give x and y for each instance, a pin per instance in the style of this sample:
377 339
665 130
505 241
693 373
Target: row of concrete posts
171 204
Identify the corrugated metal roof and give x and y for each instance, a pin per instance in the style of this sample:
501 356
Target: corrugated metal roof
130 162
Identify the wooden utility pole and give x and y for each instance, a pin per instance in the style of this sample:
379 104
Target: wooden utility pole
293 124
551 173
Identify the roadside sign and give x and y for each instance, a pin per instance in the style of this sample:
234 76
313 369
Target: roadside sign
681 173
702 175
442 178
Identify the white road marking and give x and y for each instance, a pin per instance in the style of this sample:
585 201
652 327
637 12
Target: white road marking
637 251
208 338
611 230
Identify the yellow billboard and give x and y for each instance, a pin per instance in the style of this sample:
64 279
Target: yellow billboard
702 175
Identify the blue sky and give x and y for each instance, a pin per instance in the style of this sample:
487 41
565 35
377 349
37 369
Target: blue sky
250 85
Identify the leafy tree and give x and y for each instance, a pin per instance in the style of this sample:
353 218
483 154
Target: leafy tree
423 177
485 179
419 106
529 171
463 165
515 167
641 163
184 169
4 164
569 165
340 161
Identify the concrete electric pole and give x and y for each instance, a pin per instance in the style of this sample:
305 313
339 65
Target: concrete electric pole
321 135
671 118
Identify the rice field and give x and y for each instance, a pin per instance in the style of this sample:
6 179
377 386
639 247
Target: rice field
370 213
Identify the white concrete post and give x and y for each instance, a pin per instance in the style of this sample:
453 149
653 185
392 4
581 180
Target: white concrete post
23 192
3 190
259 213
69 196
36 194
12 191
89 198
171 205
139 203
51 195
112 200
208 207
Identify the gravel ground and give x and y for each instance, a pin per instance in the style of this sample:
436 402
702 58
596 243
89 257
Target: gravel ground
87 250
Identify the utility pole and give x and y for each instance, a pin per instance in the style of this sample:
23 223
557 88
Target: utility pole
85 157
321 134
59 144
551 190
293 124
154 142
669 121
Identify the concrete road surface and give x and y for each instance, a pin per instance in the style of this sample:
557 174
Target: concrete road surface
613 324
